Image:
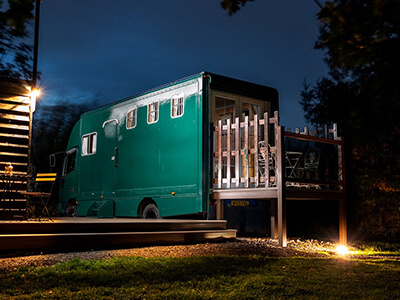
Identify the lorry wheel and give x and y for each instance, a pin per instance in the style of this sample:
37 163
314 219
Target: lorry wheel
150 212
71 211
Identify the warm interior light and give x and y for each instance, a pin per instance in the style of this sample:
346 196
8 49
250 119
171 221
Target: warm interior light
342 250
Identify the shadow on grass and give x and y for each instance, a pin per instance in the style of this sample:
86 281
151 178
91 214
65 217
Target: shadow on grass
206 277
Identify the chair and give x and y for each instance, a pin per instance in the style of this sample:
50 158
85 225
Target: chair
38 200
311 163
262 162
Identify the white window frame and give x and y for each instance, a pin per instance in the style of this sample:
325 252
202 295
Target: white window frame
134 109
153 112
178 106
86 144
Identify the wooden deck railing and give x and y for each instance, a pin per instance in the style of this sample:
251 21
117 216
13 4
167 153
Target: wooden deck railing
238 148
247 152
251 162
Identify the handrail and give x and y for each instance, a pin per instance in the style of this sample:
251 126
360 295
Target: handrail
312 138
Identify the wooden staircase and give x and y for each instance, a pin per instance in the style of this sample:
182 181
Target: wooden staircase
15 138
77 234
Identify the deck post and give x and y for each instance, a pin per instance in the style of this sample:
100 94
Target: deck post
342 201
274 225
280 174
220 209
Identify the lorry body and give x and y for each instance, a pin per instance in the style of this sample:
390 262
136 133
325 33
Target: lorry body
150 155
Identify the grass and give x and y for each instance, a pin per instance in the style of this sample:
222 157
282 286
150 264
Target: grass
213 277
376 248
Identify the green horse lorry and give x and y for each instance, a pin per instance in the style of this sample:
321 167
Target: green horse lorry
151 155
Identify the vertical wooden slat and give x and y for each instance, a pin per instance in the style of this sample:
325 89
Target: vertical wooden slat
246 151
255 131
237 149
276 125
228 153
335 131
220 154
266 148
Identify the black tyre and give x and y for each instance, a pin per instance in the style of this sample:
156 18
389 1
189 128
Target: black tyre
150 212
71 211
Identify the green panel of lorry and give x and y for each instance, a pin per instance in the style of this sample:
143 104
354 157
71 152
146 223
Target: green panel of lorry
161 161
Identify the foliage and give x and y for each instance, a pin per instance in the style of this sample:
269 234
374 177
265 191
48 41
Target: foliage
361 39
233 5
217 277
52 125
15 53
376 248
362 94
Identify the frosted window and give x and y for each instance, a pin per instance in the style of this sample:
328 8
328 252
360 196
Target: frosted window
131 118
89 144
177 105
152 112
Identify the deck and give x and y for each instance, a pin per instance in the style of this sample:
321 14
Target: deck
258 159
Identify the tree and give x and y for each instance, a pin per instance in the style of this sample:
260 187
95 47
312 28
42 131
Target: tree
233 5
52 125
362 94
15 53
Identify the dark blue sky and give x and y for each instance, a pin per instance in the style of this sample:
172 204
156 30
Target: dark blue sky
111 49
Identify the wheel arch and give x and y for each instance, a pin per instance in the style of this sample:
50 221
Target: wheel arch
144 203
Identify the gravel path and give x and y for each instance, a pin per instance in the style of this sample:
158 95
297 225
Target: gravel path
241 246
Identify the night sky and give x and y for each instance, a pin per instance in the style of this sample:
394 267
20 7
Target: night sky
107 50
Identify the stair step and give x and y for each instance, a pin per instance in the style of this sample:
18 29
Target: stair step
66 241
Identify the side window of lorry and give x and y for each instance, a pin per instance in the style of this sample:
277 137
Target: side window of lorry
70 162
89 144
131 117
177 105
152 112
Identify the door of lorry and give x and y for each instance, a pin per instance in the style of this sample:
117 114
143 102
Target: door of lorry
69 178
109 158
226 106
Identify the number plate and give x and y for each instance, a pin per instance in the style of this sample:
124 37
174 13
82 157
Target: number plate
239 203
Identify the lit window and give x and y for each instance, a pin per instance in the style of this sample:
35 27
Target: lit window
131 118
177 105
152 112
89 144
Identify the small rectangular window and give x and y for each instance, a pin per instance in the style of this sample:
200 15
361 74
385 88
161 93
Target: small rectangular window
69 163
131 117
177 105
89 144
152 112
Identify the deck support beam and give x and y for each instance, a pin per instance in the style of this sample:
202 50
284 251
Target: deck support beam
281 200
342 201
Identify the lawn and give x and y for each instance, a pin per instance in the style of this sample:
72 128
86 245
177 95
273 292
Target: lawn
207 277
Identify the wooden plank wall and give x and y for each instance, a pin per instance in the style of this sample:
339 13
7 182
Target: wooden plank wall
15 134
